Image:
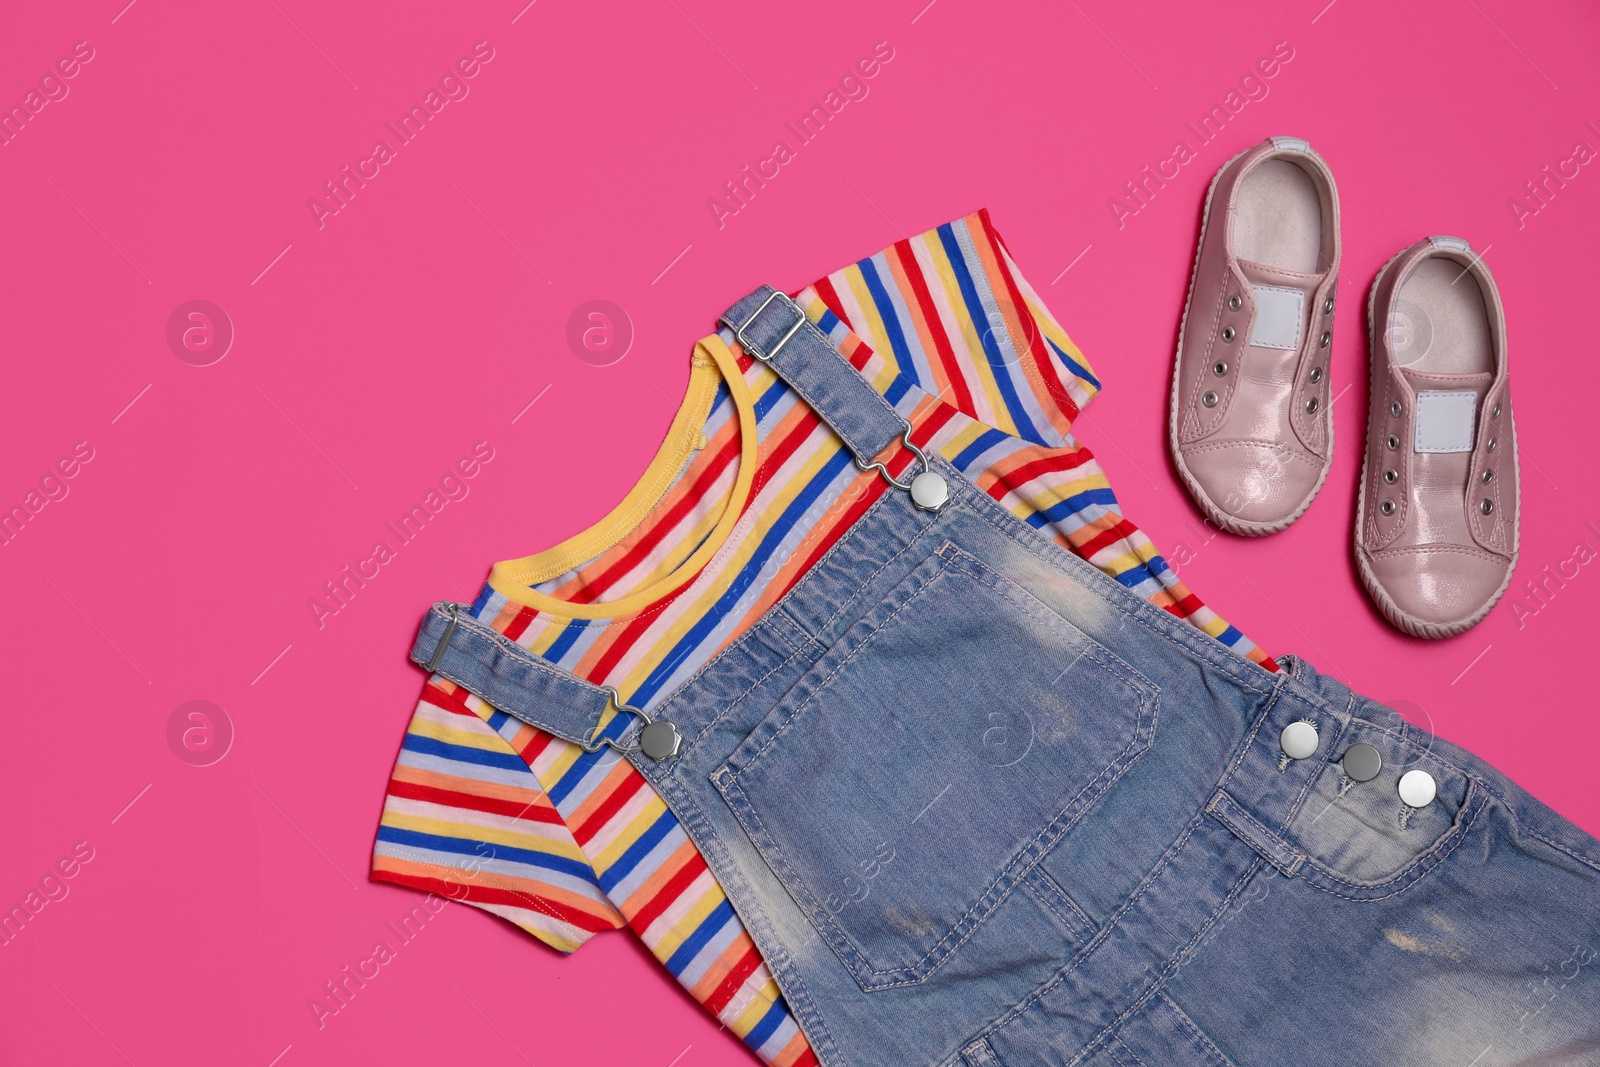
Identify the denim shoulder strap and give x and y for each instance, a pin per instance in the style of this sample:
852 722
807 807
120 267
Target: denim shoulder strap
772 328
452 644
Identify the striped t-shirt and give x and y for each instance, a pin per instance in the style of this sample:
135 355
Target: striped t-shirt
749 489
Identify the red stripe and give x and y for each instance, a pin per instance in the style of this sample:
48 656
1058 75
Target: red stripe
597 819
1187 606
1121 531
669 892
538 810
726 989
455 703
1056 462
806 1059
538 741
519 622
930 318
483 894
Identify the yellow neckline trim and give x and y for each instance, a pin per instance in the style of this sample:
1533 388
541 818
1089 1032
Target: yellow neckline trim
712 363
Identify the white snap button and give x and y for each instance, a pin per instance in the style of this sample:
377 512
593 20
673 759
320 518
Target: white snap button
1417 789
1298 740
929 491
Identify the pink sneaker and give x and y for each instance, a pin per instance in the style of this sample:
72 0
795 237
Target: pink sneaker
1250 429
1436 526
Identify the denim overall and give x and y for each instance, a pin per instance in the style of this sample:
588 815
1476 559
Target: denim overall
978 804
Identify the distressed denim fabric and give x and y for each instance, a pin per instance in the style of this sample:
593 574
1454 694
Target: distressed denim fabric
978 804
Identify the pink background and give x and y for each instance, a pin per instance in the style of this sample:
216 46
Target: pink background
429 312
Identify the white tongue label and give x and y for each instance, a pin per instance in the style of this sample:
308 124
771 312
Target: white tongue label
1445 420
1278 314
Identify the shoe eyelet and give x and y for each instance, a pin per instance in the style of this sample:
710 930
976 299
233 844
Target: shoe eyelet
1326 337
1219 368
1391 476
1387 507
1316 375
1488 475
1494 413
1327 306
1227 333
1394 443
1311 406
1209 398
1486 507
1234 303
1394 408
1490 445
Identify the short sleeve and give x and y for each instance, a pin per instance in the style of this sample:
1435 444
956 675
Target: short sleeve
466 819
953 314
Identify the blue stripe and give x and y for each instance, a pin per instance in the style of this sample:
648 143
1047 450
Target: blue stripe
719 917
768 1024
637 851
586 762
986 440
1230 635
569 637
980 324
1134 577
464 847
898 387
768 400
1077 502
429 746
1073 365
891 320
483 598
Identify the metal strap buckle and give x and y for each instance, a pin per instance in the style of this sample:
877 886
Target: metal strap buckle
444 641
659 739
905 438
748 346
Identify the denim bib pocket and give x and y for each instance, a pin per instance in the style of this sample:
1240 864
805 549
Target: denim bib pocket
926 762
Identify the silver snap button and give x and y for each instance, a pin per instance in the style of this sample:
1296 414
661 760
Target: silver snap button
1219 368
1234 302
1417 789
1486 507
1391 475
1394 408
1327 306
1326 337
660 740
1316 375
1362 762
1311 406
1394 443
1209 398
1488 475
1387 507
1227 333
1298 740
929 491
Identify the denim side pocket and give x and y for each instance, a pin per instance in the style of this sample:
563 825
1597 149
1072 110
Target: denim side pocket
1359 840
924 764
